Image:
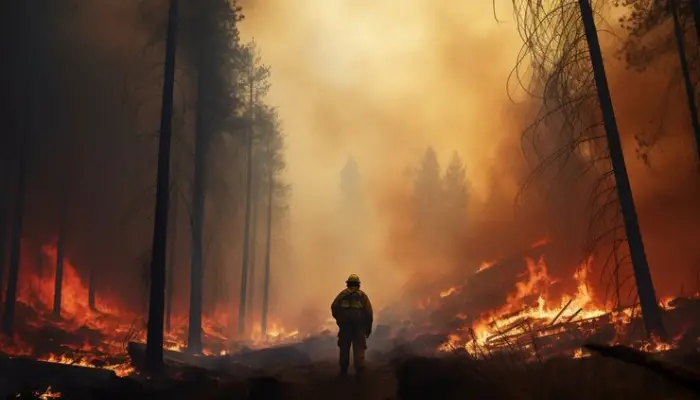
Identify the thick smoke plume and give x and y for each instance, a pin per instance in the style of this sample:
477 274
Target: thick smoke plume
382 81
377 82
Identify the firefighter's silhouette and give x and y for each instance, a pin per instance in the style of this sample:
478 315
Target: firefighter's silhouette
352 311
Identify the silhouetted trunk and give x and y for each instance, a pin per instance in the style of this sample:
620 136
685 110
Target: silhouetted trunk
687 80
3 231
268 247
695 6
8 316
194 337
207 67
91 286
170 288
246 231
253 245
60 249
156 304
645 286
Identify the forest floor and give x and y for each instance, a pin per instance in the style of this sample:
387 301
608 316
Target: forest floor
451 377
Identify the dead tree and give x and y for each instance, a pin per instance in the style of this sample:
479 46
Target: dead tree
8 316
645 287
3 227
60 252
169 287
27 66
156 304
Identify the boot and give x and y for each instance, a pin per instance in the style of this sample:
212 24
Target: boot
343 371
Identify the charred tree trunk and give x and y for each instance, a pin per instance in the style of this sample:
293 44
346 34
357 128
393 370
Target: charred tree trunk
60 248
695 6
687 80
156 304
203 136
253 245
246 232
169 287
194 337
645 286
3 233
91 286
268 247
24 86
8 317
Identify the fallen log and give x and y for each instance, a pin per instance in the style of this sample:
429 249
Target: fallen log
18 373
137 353
674 373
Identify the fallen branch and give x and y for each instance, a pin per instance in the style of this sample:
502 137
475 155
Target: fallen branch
680 376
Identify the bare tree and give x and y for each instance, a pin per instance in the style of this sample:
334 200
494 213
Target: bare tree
60 252
156 304
560 40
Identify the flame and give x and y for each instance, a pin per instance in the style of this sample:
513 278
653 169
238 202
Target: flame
519 316
486 265
114 325
48 394
448 292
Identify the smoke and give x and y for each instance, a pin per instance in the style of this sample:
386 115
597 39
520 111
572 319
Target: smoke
381 81
377 81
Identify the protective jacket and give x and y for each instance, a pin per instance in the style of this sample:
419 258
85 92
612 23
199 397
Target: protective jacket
353 310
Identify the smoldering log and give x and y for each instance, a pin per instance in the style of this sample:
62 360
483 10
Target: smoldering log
22 372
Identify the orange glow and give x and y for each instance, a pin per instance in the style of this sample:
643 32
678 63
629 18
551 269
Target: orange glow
518 317
116 326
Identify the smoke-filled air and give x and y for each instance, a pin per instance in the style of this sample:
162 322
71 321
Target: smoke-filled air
192 183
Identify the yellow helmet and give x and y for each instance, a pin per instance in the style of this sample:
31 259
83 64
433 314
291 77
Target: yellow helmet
353 279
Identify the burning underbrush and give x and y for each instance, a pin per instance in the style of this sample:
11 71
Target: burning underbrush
536 322
97 336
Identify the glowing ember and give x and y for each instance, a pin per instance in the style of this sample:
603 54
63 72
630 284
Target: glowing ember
104 332
448 292
485 265
48 394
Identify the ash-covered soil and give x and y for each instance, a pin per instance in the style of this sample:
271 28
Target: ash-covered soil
453 377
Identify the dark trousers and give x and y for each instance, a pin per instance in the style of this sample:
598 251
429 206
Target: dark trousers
355 338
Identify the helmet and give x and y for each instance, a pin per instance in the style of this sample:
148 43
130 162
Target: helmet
353 279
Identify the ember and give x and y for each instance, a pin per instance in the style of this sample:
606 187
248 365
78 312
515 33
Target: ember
549 326
97 338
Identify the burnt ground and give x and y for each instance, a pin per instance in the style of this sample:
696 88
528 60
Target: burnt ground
453 377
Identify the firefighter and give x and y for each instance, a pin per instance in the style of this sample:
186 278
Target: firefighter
352 311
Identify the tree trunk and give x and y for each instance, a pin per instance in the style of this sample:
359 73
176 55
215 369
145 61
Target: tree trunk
8 316
253 244
645 286
194 338
156 304
3 232
246 232
169 287
91 286
687 80
695 6
268 247
60 248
